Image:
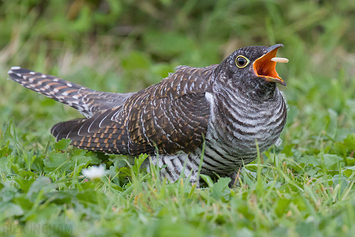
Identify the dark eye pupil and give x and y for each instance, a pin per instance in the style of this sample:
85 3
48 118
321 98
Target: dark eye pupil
241 61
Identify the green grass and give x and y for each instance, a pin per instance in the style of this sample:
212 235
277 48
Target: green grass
302 188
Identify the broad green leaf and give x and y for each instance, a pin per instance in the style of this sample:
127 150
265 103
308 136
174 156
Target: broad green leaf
62 144
41 183
9 210
221 189
349 142
57 161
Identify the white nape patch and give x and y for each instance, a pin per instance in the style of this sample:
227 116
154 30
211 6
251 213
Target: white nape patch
47 87
32 73
44 75
24 77
15 68
210 99
55 90
69 84
64 93
9 72
30 80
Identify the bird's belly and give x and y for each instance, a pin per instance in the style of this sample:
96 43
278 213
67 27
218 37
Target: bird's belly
226 150
230 147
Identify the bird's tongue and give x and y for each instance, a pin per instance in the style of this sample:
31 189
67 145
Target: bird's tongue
265 66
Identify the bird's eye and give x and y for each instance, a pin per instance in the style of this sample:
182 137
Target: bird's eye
241 61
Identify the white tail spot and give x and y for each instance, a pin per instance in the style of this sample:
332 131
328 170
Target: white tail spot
15 68
69 84
32 73
44 76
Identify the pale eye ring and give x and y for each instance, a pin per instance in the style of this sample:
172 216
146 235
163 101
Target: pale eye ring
241 61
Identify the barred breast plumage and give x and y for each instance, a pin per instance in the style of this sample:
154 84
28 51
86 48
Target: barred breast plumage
233 106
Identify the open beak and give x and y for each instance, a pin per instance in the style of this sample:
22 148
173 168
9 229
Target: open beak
265 65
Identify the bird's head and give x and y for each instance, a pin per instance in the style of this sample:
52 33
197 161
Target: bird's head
252 66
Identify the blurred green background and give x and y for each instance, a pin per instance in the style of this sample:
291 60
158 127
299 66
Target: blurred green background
127 45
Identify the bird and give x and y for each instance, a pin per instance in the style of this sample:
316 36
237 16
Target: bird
211 120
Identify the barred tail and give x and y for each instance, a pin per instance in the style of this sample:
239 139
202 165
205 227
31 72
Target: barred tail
83 99
52 87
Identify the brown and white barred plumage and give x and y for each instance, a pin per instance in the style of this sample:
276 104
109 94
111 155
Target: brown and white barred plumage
230 108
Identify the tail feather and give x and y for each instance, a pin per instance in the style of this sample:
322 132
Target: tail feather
83 99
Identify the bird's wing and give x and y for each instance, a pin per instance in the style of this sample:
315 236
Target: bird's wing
172 115
83 99
97 133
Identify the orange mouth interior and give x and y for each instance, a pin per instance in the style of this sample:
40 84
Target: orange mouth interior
264 67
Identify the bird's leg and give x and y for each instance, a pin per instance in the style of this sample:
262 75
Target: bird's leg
234 178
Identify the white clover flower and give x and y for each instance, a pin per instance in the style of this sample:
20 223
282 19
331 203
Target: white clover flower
94 172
